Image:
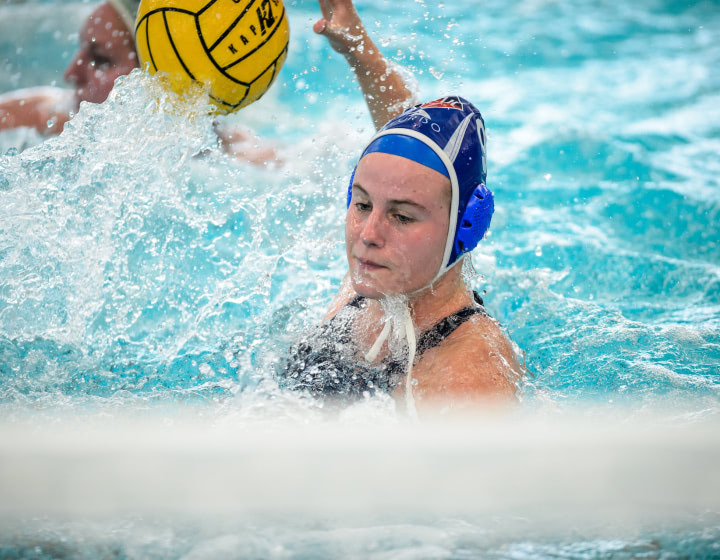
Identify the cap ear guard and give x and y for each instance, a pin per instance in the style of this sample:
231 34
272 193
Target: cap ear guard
349 193
475 220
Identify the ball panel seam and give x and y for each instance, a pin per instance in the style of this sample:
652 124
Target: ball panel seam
177 53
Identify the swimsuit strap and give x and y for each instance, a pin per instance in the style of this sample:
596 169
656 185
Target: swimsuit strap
355 302
444 328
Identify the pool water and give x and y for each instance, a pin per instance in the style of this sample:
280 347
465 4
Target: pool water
144 272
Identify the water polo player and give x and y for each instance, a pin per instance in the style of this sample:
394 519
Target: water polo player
405 322
107 51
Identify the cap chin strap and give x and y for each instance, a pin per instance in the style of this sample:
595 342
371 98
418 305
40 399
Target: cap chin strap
407 328
382 337
412 347
445 269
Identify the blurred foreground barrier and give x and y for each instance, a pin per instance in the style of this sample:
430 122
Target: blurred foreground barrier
569 468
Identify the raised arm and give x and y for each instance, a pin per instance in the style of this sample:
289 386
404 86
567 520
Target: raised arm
385 90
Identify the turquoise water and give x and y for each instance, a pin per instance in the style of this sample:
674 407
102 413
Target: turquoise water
142 270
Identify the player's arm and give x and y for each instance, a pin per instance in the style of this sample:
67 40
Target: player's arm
34 107
385 90
15 113
244 144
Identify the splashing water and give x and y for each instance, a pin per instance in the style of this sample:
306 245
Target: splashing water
141 259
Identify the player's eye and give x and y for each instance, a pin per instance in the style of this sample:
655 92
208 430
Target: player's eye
403 219
101 62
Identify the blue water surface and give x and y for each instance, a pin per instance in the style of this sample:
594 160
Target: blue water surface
141 266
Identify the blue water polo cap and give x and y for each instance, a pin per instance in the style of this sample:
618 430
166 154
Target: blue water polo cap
447 135
410 148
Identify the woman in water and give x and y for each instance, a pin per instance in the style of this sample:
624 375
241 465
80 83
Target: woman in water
405 321
107 51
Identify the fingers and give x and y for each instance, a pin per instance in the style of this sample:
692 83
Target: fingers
320 26
340 24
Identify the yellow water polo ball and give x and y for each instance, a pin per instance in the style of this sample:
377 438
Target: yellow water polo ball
236 47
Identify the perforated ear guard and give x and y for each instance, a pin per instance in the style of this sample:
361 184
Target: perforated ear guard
475 220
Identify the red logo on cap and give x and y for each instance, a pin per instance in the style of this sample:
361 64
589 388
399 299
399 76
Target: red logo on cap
444 103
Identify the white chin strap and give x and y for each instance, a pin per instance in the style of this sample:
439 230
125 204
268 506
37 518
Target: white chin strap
406 330
375 350
408 327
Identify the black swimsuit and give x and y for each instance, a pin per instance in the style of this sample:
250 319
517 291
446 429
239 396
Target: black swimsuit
326 361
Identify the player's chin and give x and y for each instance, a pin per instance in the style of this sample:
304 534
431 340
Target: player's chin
365 286
373 286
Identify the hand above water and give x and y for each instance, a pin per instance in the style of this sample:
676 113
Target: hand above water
383 84
341 24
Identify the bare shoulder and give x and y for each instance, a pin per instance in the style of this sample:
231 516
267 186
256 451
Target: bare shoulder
476 362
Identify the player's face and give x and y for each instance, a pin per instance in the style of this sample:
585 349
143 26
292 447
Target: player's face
396 227
107 51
